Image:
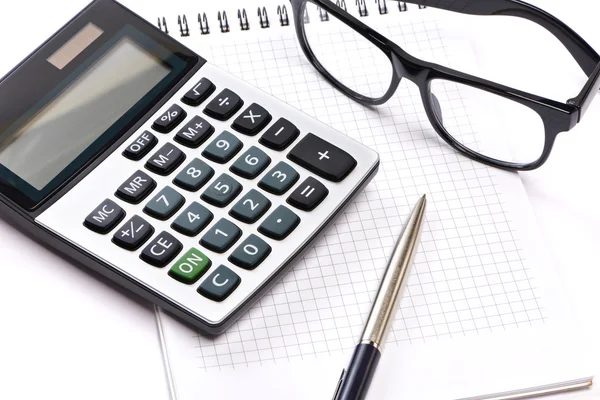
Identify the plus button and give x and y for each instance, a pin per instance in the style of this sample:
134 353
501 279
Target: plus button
323 155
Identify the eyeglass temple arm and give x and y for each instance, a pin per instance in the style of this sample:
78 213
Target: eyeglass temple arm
584 54
589 92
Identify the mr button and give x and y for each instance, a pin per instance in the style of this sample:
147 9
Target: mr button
322 158
136 188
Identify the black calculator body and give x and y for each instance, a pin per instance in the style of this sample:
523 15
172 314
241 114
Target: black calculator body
131 155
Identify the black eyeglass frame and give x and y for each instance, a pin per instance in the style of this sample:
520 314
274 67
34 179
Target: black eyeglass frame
557 117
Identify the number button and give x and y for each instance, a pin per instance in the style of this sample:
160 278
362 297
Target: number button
164 204
192 220
165 160
199 92
136 188
223 148
140 146
189 268
251 207
105 217
194 133
220 284
133 233
194 176
252 121
221 236
224 105
161 250
222 191
250 253
280 135
308 195
280 179
251 163
279 224
169 120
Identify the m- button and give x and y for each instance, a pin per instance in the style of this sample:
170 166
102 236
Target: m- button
322 158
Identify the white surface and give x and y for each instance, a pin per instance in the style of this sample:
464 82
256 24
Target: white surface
111 351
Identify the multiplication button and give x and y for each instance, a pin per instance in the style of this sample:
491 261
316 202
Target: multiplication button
133 233
169 119
105 217
252 121
140 146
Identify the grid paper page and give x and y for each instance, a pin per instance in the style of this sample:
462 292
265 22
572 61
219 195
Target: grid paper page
469 274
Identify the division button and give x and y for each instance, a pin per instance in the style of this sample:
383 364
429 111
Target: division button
223 148
190 267
250 207
165 204
105 217
165 160
161 250
169 119
192 220
194 133
279 224
322 158
224 105
220 284
250 253
280 135
194 176
252 121
251 163
136 188
133 233
199 92
308 195
140 146
221 236
279 179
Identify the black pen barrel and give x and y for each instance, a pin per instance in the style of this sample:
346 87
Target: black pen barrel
357 378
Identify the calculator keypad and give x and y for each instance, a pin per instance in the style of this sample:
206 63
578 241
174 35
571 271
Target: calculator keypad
210 200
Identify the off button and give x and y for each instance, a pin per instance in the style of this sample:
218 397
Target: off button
140 146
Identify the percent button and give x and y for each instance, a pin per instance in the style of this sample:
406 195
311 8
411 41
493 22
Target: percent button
169 119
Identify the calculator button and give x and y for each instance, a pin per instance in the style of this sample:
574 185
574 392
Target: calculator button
322 158
250 253
223 148
194 133
140 146
136 188
252 121
221 236
169 119
161 250
279 224
199 92
190 267
308 195
224 105
194 176
165 160
192 220
164 204
105 217
279 179
280 135
222 191
250 207
220 284
133 234
251 163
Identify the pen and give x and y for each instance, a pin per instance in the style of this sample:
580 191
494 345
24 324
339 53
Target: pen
356 378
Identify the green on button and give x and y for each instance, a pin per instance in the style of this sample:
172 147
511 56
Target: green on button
189 268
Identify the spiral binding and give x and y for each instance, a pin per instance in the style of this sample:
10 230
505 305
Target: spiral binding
263 17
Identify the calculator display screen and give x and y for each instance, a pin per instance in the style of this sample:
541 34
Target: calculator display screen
77 117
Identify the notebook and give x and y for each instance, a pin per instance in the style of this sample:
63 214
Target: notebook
482 315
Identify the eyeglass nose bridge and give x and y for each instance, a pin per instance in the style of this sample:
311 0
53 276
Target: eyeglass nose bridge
405 67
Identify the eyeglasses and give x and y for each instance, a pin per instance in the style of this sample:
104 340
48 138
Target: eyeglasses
521 139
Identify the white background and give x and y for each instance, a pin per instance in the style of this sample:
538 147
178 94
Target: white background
66 334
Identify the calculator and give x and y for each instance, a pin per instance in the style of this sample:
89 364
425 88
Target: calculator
132 156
